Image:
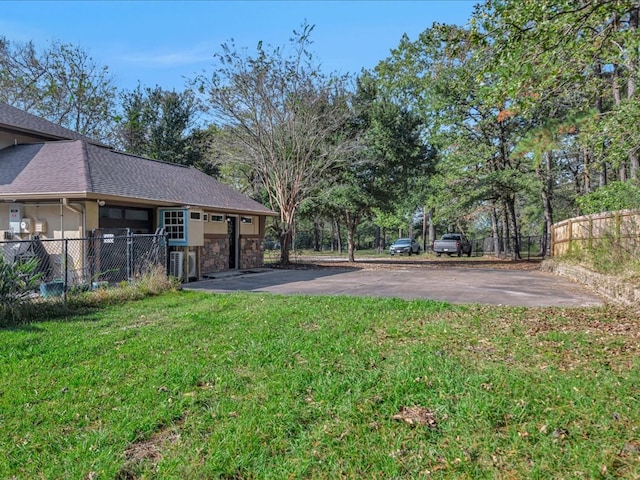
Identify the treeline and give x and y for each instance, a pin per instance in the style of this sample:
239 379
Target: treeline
533 110
527 115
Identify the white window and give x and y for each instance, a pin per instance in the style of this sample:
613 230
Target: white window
246 219
174 224
216 218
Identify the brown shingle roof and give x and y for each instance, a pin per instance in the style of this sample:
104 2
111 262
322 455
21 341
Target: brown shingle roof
78 167
16 120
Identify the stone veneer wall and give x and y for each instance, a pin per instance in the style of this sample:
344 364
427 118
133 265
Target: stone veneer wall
614 289
214 254
251 254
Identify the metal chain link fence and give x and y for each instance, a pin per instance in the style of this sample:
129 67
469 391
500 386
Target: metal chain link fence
105 257
528 247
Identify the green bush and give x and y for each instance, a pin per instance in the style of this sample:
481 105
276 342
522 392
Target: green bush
18 280
612 197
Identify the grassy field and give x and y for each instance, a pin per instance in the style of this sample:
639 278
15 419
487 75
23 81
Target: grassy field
245 386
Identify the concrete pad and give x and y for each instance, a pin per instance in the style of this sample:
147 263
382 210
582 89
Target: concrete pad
527 288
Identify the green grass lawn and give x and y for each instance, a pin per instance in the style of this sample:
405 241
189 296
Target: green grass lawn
192 385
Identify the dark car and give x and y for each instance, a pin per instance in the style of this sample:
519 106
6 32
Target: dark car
404 245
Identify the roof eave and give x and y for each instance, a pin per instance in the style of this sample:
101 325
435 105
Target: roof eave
57 196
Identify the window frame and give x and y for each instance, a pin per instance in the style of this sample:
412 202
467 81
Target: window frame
176 225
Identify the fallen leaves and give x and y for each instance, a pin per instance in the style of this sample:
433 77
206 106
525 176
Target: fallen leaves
417 415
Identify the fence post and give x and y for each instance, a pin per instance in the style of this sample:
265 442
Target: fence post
65 265
129 256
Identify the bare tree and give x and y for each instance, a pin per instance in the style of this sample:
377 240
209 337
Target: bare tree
61 83
282 117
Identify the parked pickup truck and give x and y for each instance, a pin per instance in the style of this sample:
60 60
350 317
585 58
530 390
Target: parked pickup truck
452 243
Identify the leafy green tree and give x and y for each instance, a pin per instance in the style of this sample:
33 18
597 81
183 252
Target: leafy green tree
388 155
313 211
437 75
61 83
586 50
388 222
161 124
281 115
540 145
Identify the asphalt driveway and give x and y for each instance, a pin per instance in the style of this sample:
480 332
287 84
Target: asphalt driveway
493 286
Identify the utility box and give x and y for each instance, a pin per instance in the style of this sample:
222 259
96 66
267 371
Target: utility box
26 225
15 217
41 226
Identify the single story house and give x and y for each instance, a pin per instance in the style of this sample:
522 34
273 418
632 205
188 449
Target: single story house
56 183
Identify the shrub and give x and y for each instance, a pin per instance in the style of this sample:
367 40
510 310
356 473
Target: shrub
612 197
79 300
152 282
18 280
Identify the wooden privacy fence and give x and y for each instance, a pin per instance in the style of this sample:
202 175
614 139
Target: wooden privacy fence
621 229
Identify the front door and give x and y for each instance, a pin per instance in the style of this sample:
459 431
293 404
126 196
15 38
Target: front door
232 228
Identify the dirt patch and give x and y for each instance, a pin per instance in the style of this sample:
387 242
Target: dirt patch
148 451
417 415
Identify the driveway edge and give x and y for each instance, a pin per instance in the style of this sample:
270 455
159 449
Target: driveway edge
610 287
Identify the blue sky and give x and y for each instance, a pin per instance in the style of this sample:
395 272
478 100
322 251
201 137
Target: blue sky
162 42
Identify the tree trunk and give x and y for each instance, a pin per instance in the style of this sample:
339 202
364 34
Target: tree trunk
587 172
287 219
602 178
352 225
432 228
424 228
495 228
634 165
615 84
333 235
285 245
622 170
546 177
634 20
511 209
506 242
316 235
